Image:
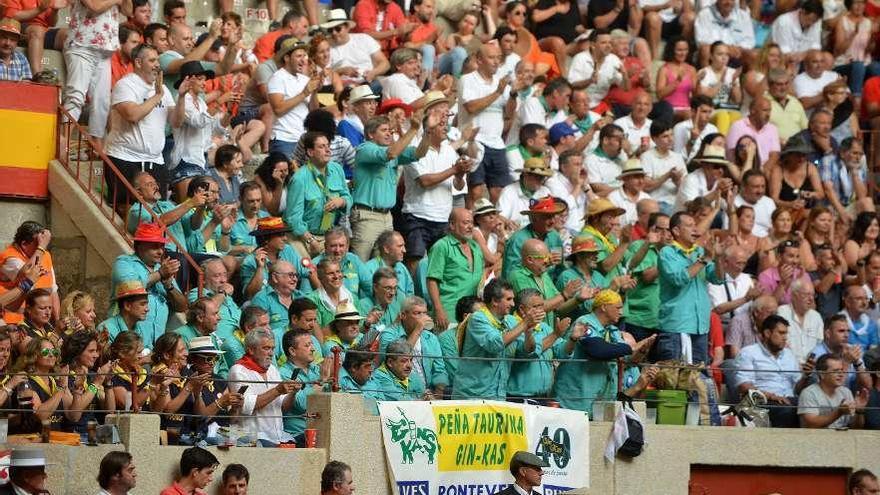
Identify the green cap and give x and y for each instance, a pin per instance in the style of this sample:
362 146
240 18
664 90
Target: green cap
523 458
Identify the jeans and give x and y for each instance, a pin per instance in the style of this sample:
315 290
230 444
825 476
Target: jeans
429 53
286 148
452 61
856 73
88 72
668 346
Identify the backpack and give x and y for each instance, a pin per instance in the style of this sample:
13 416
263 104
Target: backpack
636 441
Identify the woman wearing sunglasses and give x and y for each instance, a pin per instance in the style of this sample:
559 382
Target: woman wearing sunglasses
8 381
213 402
173 383
128 374
87 381
50 397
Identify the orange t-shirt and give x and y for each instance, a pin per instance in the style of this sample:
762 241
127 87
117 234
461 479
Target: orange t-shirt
423 31
43 19
264 47
118 68
11 261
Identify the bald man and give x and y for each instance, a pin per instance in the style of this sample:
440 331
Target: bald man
486 97
183 49
644 209
532 274
455 267
276 297
736 294
757 126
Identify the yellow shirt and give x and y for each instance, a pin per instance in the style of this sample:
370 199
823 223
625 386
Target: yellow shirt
789 120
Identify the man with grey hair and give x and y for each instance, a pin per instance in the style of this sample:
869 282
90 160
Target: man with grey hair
744 327
405 82
336 248
414 327
266 396
218 288
735 294
252 318
786 112
395 380
386 301
805 325
276 297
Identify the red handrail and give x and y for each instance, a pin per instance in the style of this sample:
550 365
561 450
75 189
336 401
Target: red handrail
109 210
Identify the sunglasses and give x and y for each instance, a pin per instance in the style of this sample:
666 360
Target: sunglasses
50 352
336 29
207 359
542 257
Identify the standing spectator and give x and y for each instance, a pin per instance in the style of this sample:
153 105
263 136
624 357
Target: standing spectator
323 121
141 107
271 246
753 194
267 395
291 94
786 111
597 69
252 318
375 181
484 336
301 368
606 162
805 324
727 23
631 191
197 467
486 99
548 108
570 184
149 265
542 219
684 299
829 403
121 63
455 267
116 474
836 342
93 37
318 196
734 295
412 328
690 134
356 57
14 65
361 108
642 305
277 297
799 31
234 480
758 368
28 250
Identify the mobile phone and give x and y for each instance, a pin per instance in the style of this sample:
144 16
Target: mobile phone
811 356
242 389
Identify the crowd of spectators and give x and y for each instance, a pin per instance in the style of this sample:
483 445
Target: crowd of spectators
525 208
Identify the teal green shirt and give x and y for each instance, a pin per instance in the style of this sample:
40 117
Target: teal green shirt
230 313
513 248
389 314
114 326
294 422
308 192
454 274
354 276
449 346
333 341
279 320
530 378
684 301
326 314
249 266
596 280
195 239
521 278
477 379
642 304
431 361
404 279
580 383
188 332
604 252
384 385
233 348
137 215
129 267
240 235
375 176
347 383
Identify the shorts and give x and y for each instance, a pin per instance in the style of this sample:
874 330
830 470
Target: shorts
493 170
670 29
245 115
185 170
48 38
421 234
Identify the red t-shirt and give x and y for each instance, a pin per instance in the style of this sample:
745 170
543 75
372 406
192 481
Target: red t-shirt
422 32
43 19
366 18
175 489
264 48
616 94
870 94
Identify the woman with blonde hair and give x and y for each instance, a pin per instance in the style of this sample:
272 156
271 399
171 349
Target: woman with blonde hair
755 80
77 312
128 373
50 397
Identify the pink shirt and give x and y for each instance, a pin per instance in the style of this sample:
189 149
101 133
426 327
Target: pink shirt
767 138
769 280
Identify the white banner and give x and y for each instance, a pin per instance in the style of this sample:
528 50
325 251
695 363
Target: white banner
465 447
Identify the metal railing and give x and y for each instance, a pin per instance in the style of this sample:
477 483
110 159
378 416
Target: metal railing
92 184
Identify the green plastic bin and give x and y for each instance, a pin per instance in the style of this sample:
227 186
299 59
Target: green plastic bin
671 405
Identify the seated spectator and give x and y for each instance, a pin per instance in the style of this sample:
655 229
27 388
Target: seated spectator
549 107
27 257
690 134
277 296
252 317
207 227
383 307
862 328
779 280
127 351
51 399
727 23
273 177
182 49
116 473
677 78
637 126
527 46
174 12
735 294
605 163
755 82
356 57
38 318
831 267
631 191
863 482
249 213
197 467
532 380
394 379
828 403
345 329
77 312
27 471
758 367
598 69
212 400
170 214
234 480
796 181
799 31
809 83
383 21
533 140
862 240
156 35
805 323
331 292
542 225
271 246
121 63
667 19
818 135
361 106
753 194
301 368
851 48
357 367
291 94
336 248
460 44
845 177
664 167
708 181
87 382
336 479
721 83
756 125
786 111
836 342
414 327
569 185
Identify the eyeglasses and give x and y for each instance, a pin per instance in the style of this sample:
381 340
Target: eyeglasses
539 257
287 274
50 352
389 288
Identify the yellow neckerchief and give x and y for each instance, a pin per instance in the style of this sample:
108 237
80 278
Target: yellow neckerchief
403 383
335 338
125 375
49 388
462 328
518 319
687 251
610 246
161 368
239 335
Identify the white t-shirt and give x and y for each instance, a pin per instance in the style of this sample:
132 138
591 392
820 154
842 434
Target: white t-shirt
737 288
803 335
813 400
681 133
708 78
655 166
193 137
143 140
764 209
805 86
509 65
289 127
560 187
356 53
491 119
693 185
434 204
635 134
398 85
532 111
582 67
621 200
513 200
601 169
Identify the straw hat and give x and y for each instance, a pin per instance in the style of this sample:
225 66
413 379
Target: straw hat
288 46
129 288
602 205
434 98
536 166
484 207
335 18
359 93
347 312
9 25
203 345
583 244
633 166
714 155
